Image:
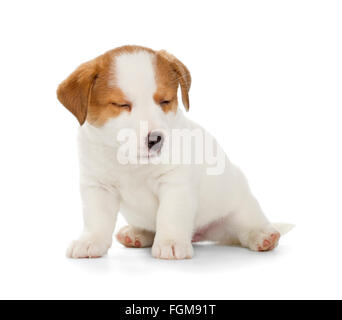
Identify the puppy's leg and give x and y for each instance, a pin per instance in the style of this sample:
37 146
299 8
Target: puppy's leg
133 237
251 227
100 208
175 220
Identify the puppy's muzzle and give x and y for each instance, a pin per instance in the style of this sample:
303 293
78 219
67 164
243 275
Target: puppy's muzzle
155 140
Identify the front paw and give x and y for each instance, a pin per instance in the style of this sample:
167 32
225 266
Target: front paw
88 247
171 250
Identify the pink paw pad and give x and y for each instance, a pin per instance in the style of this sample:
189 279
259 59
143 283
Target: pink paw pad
128 240
270 242
137 243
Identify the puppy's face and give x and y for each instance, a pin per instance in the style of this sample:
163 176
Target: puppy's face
126 88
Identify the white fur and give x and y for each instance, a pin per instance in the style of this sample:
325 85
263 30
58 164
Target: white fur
172 201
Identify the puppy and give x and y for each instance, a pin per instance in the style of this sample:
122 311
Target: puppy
167 199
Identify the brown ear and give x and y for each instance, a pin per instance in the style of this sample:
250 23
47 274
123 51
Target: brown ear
183 76
74 92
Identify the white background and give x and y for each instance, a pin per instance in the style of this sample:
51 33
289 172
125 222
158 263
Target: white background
267 79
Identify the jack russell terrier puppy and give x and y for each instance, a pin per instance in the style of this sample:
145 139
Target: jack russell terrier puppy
126 103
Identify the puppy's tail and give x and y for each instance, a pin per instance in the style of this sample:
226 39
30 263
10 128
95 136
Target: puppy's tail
283 228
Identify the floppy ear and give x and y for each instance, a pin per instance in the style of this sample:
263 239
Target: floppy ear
183 76
74 92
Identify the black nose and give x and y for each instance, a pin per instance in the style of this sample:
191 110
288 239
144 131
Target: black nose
155 140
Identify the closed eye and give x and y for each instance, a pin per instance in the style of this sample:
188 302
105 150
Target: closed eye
125 105
165 103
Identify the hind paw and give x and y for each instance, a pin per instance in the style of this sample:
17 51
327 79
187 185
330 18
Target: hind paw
132 237
263 240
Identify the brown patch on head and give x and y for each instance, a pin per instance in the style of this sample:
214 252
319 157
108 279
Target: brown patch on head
106 103
86 92
169 73
167 84
90 92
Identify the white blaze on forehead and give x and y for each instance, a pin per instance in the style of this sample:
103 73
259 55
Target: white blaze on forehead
134 75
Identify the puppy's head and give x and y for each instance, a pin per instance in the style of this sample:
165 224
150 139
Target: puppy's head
124 88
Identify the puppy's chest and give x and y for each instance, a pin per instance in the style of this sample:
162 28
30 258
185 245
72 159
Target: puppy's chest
138 196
